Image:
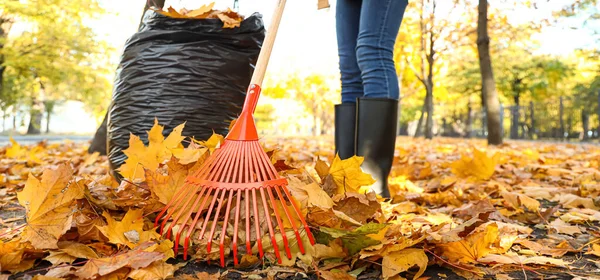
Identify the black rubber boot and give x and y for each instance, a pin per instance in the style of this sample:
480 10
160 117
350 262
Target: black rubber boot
376 139
345 129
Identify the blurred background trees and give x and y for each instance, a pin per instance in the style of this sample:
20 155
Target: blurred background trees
51 55
47 55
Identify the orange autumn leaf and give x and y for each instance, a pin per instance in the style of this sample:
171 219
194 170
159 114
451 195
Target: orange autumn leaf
49 204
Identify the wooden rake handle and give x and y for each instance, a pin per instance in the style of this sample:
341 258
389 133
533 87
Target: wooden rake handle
263 59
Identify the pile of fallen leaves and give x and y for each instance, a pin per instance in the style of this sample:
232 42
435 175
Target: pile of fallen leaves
458 208
230 18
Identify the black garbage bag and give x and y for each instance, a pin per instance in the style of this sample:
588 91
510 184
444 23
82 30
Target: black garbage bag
181 70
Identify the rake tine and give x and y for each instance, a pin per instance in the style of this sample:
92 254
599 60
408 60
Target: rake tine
247 202
187 218
292 222
236 219
262 167
176 219
257 225
286 245
194 222
175 199
210 208
270 225
214 225
224 230
306 228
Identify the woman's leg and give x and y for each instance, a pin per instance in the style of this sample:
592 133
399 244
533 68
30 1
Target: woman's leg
377 111
348 13
347 25
379 24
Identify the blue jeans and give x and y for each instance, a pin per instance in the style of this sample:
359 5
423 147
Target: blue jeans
366 34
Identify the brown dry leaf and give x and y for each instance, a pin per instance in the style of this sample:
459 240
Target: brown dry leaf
336 274
49 204
87 226
545 250
573 201
480 166
516 259
230 19
517 200
562 227
129 231
44 277
134 259
157 270
334 250
401 261
348 176
322 169
207 276
359 207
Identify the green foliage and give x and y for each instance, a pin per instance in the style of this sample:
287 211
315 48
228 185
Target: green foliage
52 54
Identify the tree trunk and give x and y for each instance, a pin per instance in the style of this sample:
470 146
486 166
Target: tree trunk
49 108
532 120
149 4
561 120
598 113
429 106
48 121
419 131
469 122
35 122
488 85
4 28
585 122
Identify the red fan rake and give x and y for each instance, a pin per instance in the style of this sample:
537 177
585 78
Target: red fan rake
238 172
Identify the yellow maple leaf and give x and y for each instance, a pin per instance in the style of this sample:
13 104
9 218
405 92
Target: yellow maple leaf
49 204
201 11
401 261
595 250
11 257
317 196
15 150
157 270
132 169
348 176
213 142
129 231
159 150
473 247
480 166
165 247
70 251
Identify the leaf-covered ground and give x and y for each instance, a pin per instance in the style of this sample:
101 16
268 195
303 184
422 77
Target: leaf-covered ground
460 210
